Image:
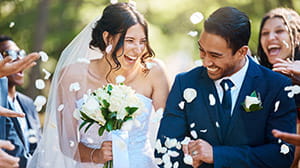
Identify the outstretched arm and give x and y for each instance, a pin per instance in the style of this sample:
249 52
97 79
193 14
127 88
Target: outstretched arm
8 113
287 137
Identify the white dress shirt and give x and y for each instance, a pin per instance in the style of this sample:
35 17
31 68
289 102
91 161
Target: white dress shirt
237 79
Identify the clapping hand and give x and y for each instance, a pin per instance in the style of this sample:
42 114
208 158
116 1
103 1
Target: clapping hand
289 68
7 161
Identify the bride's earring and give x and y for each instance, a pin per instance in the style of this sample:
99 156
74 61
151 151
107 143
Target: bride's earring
108 49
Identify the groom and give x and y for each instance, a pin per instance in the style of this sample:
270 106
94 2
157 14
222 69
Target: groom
208 104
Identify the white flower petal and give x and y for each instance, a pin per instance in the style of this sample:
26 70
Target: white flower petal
251 100
178 146
158 161
173 153
188 159
113 1
194 134
150 65
39 102
284 149
276 105
157 116
170 143
90 140
60 107
217 124
196 17
11 24
212 100
295 89
193 33
40 84
47 74
83 60
186 141
181 105
192 125
74 87
176 164
189 94
44 56
203 130
166 158
71 143
198 62
120 79
76 114
279 141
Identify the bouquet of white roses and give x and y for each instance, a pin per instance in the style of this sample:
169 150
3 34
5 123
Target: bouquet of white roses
109 107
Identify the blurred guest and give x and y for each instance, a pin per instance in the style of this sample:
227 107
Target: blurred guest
28 128
278 49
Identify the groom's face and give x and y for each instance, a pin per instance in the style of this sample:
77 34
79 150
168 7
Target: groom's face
217 57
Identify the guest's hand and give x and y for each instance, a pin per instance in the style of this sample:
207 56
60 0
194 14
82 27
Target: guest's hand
104 154
289 68
201 151
287 137
8 113
8 66
7 161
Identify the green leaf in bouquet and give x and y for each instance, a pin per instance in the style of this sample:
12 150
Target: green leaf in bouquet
112 115
109 88
101 130
104 112
109 125
131 110
83 124
90 124
105 103
119 124
126 118
86 117
255 107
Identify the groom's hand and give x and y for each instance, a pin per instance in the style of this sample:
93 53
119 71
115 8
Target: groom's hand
201 151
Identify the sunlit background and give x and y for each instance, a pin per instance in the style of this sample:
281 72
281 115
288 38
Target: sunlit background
49 25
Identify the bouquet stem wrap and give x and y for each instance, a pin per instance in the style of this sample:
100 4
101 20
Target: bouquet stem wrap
120 149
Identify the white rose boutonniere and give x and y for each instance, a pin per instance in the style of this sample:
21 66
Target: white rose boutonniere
189 94
252 102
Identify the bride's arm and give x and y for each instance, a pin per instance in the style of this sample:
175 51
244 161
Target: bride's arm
160 84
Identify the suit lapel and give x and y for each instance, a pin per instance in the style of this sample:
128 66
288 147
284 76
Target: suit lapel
25 110
248 86
213 110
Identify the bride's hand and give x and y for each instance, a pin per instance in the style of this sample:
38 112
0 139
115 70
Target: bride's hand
104 154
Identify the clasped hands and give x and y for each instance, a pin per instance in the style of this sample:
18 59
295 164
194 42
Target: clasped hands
200 150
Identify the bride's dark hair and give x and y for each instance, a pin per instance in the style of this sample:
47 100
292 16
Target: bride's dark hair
117 19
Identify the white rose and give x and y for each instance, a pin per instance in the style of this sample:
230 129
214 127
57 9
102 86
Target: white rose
189 94
92 109
251 100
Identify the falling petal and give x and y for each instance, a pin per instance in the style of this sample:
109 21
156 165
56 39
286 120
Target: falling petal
90 140
188 159
11 24
158 161
212 100
178 146
44 56
189 94
83 60
40 84
186 141
39 102
198 62
113 1
286 44
159 147
173 153
166 158
196 17
74 87
170 143
120 79
192 125
176 164
279 141
284 149
194 134
150 65
181 105
132 3
76 114
32 136
193 33
217 124
71 143
203 131
276 106
60 107
47 74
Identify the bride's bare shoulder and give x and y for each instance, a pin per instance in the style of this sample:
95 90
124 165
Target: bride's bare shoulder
155 66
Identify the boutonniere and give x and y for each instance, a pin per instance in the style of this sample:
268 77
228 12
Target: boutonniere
252 102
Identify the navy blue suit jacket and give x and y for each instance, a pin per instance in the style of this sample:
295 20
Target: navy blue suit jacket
8 131
248 141
32 119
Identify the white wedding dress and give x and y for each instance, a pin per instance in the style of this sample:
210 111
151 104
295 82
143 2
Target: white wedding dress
140 150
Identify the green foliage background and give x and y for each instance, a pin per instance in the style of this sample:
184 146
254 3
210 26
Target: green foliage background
49 25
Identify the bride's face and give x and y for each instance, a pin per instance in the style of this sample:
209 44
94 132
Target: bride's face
134 46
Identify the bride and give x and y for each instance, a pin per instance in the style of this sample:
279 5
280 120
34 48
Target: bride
116 44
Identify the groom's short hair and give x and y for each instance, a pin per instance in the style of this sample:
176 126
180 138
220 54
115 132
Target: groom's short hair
231 24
